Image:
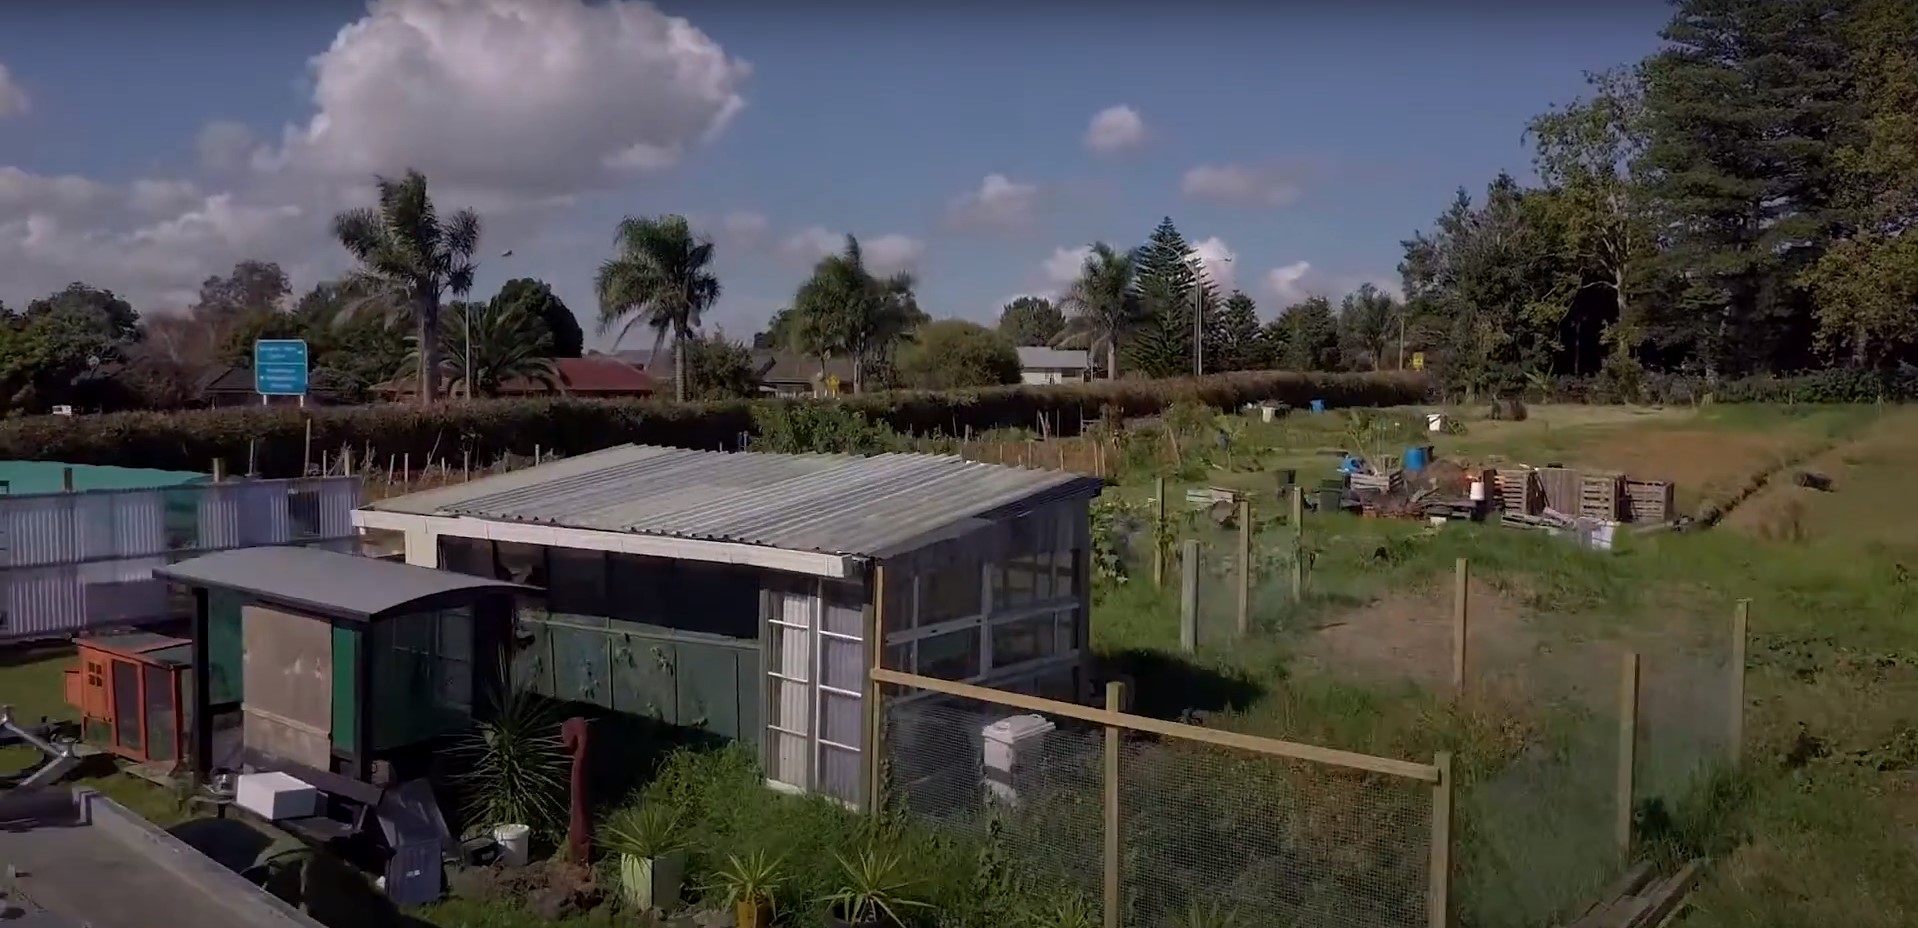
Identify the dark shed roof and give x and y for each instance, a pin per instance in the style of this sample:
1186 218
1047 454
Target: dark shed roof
330 584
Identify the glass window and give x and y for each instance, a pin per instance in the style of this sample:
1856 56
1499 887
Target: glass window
844 663
1065 565
637 588
455 653
952 656
950 592
1024 640
578 583
470 556
1023 581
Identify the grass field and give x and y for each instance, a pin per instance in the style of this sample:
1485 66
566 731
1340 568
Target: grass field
1830 754
1818 826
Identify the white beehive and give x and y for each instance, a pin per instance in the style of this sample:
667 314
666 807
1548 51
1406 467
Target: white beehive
274 796
1003 743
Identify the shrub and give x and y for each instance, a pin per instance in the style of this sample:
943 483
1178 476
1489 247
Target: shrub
274 438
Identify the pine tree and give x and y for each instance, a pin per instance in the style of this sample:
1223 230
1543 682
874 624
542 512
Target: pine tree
1234 341
1311 336
1168 272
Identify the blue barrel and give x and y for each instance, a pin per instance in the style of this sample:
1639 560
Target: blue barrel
1318 405
1416 458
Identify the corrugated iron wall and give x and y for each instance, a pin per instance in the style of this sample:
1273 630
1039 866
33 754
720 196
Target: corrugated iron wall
71 561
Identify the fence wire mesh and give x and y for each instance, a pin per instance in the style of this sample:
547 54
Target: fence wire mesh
1224 836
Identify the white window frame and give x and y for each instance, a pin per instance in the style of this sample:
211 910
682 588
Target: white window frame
816 689
989 618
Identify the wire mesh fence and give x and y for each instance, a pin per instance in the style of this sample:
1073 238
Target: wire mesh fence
1205 833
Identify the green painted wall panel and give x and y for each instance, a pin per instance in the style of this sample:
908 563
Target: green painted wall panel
226 650
346 703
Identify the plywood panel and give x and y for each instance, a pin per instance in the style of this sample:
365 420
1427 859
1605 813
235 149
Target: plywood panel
288 681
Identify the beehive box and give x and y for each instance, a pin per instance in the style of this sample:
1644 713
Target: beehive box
1650 500
1600 496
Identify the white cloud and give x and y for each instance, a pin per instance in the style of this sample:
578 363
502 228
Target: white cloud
1217 258
885 254
744 227
1242 186
1063 267
1115 129
1000 202
508 106
13 98
1288 284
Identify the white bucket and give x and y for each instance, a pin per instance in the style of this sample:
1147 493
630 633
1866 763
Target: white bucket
1266 412
515 844
1435 422
1478 491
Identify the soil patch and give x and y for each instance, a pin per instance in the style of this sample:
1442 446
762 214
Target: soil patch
1408 636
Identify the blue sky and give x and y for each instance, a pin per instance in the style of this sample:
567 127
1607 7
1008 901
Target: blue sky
1323 133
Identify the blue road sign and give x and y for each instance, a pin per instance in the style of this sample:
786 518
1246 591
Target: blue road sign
279 367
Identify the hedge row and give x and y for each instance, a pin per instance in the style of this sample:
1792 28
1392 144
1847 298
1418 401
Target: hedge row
1838 385
275 437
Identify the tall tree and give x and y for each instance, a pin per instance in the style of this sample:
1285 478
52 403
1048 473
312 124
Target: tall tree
534 298
1237 343
1739 110
1866 286
1310 340
1103 305
46 351
1585 152
718 368
662 278
253 287
1369 322
410 259
1031 320
1169 282
844 308
502 342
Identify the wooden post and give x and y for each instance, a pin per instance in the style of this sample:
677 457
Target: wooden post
1189 595
306 453
392 464
252 457
1741 623
1438 894
219 469
1158 533
466 464
1115 698
66 479
406 469
876 698
1245 567
1461 622
346 461
1627 754
1298 544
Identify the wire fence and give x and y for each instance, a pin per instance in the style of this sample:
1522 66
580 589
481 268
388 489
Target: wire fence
1175 824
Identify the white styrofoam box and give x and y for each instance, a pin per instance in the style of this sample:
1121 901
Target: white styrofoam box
274 795
1002 742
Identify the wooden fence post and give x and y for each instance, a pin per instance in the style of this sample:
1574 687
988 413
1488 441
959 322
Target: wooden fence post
1438 894
1298 544
1189 595
1158 533
306 450
1627 754
1115 698
1741 628
66 479
1461 622
1245 567
219 469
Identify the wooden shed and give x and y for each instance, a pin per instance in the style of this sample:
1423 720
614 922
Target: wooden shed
130 690
747 595
345 659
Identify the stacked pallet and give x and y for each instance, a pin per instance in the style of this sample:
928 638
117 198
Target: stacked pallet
1650 501
1560 486
1518 491
1389 482
1600 496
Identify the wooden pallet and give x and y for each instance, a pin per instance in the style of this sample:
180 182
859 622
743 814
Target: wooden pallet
1600 496
1650 501
1638 900
1560 485
1389 482
1518 491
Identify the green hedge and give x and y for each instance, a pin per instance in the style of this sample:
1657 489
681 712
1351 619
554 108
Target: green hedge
275 436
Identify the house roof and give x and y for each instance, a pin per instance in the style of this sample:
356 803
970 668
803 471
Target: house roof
642 358
328 583
827 503
1053 359
788 367
587 376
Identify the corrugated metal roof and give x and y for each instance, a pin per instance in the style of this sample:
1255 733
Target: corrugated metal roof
1049 359
836 504
328 582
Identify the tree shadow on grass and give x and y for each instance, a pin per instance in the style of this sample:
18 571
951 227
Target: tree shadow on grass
1167 686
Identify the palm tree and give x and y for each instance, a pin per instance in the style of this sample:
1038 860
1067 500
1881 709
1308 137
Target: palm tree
508 343
661 277
1103 304
844 307
409 260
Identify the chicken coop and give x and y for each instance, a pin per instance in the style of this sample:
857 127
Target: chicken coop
128 689
747 595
